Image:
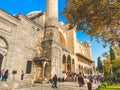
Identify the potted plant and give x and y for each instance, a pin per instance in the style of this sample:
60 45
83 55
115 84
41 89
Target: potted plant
14 72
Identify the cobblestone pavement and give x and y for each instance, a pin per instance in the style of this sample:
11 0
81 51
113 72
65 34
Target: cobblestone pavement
61 86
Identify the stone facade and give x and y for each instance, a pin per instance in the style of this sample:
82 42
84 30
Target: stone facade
41 46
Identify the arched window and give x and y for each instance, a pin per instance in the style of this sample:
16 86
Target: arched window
64 64
68 63
64 59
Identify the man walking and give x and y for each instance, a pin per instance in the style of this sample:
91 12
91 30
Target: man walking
54 85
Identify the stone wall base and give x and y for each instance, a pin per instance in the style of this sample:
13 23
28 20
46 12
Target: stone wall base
11 85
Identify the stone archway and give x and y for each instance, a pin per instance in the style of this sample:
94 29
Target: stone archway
68 63
64 64
46 74
3 49
1 59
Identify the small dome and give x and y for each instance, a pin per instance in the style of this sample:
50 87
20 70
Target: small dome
33 13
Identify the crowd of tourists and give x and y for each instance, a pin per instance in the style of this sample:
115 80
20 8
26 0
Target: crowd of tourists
79 78
85 79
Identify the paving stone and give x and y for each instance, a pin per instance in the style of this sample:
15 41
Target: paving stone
61 86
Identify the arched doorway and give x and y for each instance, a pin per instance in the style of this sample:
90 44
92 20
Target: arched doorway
73 65
68 63
1 59
38 71
3 49
64 64
47 71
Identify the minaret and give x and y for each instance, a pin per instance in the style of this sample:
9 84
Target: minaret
51 42
52 9
51 23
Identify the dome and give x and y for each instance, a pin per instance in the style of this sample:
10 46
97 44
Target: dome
33 13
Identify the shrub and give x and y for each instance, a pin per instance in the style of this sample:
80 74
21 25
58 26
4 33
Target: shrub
14 72
102 86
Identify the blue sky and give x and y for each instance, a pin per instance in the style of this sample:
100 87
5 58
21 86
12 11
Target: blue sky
26 6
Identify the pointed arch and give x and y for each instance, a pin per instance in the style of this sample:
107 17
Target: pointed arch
62 39
3 49
3 43
68 63
64 64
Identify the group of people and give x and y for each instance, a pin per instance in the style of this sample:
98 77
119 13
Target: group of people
4 74
84 80
80 78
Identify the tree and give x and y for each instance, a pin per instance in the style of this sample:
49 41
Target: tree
104 54
97 18
100 66
117 66
112 58
107 68
117 52
112 54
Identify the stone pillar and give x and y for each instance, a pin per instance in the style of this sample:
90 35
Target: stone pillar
43 71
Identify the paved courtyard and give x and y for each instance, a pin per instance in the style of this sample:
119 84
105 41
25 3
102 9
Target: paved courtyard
61 86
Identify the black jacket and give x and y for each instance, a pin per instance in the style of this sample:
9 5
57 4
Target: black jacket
55 79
